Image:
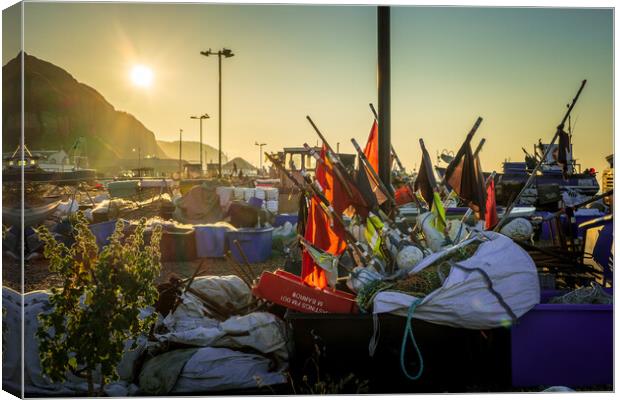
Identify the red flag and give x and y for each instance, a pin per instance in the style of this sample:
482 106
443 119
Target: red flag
403 195
319 229
490 216
371 151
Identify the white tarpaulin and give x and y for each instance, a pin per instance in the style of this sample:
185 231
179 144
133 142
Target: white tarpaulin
35 383
219 369
230 292
260 331
464 300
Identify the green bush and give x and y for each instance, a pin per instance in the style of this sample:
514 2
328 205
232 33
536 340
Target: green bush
98 307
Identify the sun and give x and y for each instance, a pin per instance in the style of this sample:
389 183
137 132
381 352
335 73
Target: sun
141 76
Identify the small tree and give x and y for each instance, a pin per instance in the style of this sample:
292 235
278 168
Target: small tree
97 308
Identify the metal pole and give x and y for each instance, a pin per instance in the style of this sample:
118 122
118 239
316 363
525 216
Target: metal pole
201 169
219 152
180 150
383 88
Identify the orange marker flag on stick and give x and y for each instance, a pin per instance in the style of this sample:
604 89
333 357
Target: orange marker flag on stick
371 151
490 218
319 229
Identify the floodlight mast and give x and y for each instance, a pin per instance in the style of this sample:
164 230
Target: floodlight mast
203 116
227 53
260 152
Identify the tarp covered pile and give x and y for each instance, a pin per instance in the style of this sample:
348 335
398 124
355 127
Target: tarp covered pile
199 205
190 352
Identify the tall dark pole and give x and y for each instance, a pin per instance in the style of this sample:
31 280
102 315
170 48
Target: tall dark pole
227 53
383 89
219 119
201 145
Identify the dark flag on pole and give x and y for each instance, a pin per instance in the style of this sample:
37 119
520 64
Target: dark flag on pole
368 188
563 151
423 184
464 175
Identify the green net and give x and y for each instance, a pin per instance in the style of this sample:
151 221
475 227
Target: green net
422 283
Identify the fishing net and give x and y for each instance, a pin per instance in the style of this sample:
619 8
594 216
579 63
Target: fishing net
419 284
594 294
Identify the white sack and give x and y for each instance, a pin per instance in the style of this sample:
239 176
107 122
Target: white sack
464 300
219 369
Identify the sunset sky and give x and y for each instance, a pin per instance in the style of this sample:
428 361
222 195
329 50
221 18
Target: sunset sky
517 68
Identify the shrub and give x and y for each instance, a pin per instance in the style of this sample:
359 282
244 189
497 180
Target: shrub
98 307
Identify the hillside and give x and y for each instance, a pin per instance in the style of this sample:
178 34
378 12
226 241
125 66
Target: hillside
59 109
240 163
191 151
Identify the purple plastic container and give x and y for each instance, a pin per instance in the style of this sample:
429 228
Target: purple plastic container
255 202
281 219
255 242
563 344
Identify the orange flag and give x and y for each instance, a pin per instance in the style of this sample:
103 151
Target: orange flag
319 229
490 218
371 151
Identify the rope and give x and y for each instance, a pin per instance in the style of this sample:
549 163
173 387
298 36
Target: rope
376 334
408 334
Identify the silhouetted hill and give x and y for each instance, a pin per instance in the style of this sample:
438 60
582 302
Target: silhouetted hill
59 109
241 164
191 151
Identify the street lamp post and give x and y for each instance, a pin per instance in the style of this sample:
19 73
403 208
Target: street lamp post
139 157
203 116
260 152
227 53
180 151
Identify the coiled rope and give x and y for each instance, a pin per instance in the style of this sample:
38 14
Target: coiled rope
408 334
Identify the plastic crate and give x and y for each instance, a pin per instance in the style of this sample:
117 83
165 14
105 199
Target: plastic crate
563 345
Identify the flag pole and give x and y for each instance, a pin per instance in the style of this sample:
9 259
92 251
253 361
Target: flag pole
372 171
400 165
339 175
478 149
529 181
329 148
430 175
468 138
384 94
486 185
358 255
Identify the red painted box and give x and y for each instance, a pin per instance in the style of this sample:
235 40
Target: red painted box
288 290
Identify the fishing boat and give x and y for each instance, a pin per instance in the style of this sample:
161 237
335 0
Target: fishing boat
548 185
552 177
36 171
33 216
